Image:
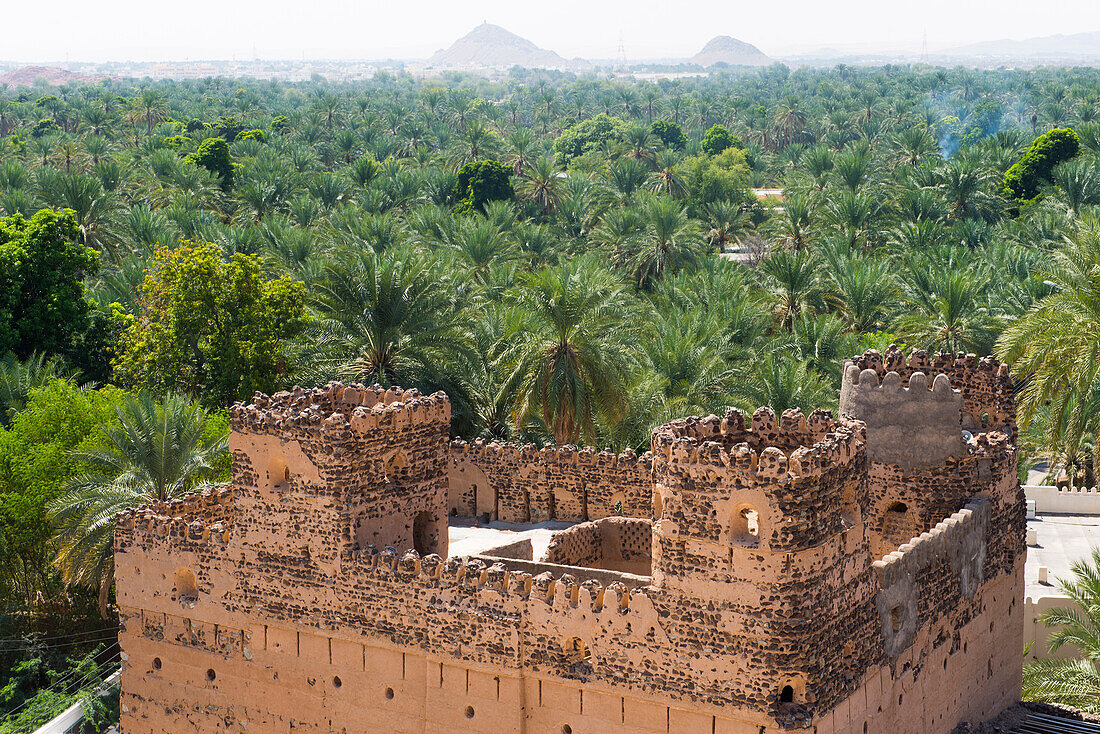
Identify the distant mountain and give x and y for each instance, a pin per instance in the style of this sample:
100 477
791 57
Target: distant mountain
1063 46
728 50
491 45
28 75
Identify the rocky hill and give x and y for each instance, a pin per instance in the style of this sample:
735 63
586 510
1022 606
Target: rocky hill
491 45
728 50
28 75
1077 45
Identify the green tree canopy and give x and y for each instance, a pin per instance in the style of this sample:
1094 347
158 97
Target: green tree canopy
669 133
42 267
480 182
588 136
718 139
1022 181
212 328
213 155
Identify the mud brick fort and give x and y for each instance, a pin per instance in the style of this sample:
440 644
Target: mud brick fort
861 573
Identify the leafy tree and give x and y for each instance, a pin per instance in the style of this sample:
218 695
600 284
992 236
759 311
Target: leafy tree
258 135
212 328
721 177
1022 181
35 464
480 182
588 136
718 139
42 266
152 451
669 133
45 127
213 155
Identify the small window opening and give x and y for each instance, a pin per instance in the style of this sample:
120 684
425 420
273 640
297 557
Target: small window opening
156 664
786 695
895 619
187 587
469 712
746 527
278 474
566 729
389 694
618 507
576 651
336 682
425 534
211 675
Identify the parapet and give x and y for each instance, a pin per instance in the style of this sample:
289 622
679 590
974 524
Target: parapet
988 400
941 567
565 593
910 423
795 447
339 410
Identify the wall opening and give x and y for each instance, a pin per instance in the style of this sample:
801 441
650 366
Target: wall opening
746 527
658 505
898 526
576 651
895 619
278 474
425 534
187 588
849 509
793 692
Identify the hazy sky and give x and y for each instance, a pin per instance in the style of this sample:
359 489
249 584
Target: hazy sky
119 30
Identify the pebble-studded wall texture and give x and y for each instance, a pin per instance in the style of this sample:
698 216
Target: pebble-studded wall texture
314 594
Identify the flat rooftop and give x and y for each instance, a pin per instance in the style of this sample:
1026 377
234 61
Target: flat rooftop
1062 540
467 538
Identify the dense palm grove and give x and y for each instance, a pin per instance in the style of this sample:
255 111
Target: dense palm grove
574 260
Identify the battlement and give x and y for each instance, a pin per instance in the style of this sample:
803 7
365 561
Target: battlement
339 410
939 570
145 527
988 398
530 484
565 593
765 451
479 449
911 422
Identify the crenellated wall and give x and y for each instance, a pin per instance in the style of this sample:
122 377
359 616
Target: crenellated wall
296 599
988 394
522 484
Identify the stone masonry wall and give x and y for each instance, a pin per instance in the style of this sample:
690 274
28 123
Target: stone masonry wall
522 484
988 394
620 543
268 606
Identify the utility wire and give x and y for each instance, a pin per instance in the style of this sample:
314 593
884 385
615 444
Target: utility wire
33 647
65 681
19 640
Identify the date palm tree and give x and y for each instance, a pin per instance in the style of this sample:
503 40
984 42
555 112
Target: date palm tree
1075 681
153 451
542 185
572 364
150 107
1055 346
388 318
